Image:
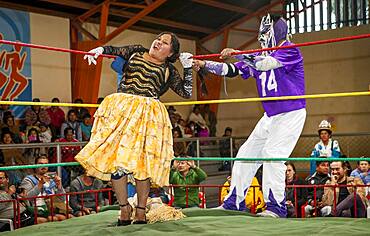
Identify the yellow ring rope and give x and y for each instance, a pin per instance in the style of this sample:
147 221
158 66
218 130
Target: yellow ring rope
236 100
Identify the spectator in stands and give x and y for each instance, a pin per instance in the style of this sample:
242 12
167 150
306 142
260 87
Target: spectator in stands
85 183
326 147
186 173
68 154
191 130
73 123
182 127
179 147
255 205
9 124
32 153
45 133
86 127
36 114
171 110
198 119
8 192
57 118
5 111
294 207
80 111
345 196
362 171
225 149
12 157
173 119
44 183
320 177
211 119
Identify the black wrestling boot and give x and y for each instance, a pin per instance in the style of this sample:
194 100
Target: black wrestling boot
140 222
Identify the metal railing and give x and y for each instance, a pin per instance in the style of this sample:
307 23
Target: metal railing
352 144
203 201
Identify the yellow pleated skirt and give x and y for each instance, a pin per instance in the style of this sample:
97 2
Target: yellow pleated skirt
132 134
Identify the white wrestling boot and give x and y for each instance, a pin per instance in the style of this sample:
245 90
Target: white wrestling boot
268 213
219 208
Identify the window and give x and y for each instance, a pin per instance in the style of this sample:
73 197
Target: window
316 15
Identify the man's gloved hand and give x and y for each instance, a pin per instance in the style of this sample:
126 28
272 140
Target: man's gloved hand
186 59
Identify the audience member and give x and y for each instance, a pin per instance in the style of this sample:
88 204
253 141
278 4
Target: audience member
57 118
171 110
5 111
182 127
68 154
179 147
80 111
8 192
293 206
45 133
344 197
326 147
253 200
211 120
32 153
12 157
73 123
320 177
198 119
86 127
36 114
44 183
9 124
225 149
186 173
85 183
362 171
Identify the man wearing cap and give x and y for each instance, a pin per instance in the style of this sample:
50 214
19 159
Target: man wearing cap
326 147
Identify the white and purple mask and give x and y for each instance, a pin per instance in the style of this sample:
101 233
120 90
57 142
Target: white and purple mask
271 33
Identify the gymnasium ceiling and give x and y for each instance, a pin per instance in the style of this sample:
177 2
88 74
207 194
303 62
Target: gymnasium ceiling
194 19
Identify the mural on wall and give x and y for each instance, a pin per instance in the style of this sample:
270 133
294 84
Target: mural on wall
15 61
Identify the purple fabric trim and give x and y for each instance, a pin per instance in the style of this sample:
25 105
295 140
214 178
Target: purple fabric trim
280 30
214 67
274 206
230 202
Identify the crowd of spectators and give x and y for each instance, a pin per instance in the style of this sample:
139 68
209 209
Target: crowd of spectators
52 125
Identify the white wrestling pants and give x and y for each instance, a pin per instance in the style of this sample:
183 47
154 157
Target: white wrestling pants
274 136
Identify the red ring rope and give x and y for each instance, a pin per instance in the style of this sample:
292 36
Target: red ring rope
362 36
52 48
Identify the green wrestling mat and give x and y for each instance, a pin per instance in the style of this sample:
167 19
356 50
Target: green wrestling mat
201 222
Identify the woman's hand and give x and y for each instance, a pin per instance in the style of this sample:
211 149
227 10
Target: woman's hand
92 58
227 53
198 64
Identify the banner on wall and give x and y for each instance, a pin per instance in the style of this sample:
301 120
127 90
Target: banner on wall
15 61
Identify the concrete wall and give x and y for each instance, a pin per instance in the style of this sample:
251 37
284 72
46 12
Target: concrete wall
51 76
